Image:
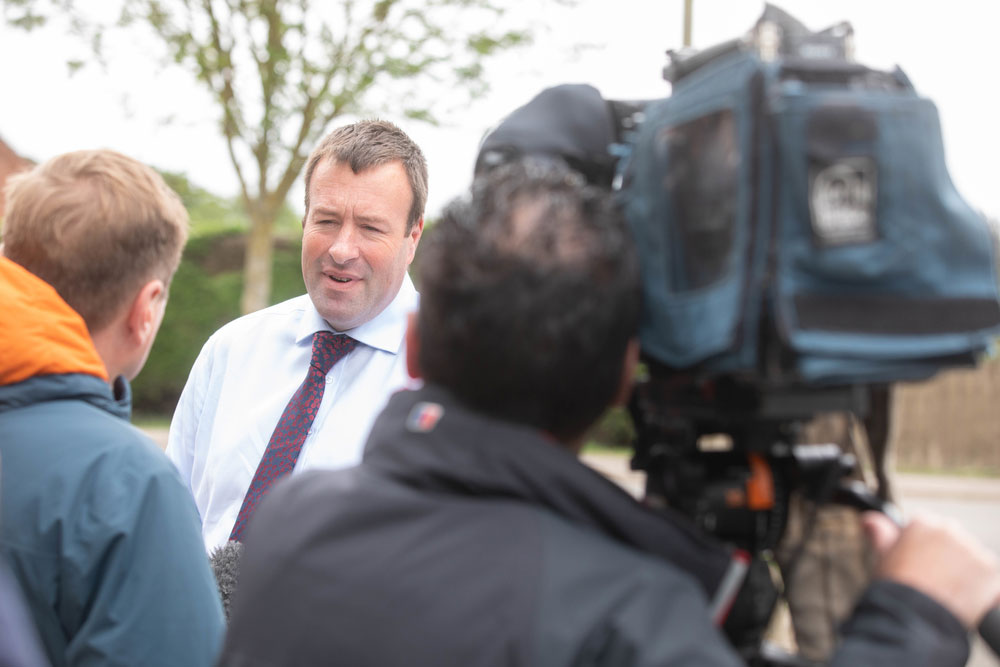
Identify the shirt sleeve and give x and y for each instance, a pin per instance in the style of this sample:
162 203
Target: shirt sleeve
143 592
188 414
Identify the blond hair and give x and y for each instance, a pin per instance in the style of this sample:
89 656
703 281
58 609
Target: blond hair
96 225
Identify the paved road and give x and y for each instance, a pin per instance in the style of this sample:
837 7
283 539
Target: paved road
972 504
159 435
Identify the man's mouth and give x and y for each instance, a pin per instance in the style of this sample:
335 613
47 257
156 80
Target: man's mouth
341 279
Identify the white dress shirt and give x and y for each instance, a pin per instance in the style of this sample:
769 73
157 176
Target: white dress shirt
243 379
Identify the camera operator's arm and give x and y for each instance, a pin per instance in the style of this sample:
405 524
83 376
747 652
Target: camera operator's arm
940 560
933 584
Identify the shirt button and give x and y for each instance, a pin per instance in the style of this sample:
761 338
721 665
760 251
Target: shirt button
329 379
310 431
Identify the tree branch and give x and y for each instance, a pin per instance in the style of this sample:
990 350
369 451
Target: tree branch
231 125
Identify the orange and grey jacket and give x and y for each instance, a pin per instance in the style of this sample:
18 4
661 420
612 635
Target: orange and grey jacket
39 333
96 524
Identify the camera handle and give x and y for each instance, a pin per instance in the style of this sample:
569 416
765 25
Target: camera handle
858 495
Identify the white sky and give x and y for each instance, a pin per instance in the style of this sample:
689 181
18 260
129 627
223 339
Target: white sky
948 50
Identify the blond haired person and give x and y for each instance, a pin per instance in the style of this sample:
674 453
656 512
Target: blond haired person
100 531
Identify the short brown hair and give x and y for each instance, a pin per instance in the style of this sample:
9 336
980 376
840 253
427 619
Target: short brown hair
95 225
372 143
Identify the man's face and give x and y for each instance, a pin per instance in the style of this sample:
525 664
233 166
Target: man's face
355 247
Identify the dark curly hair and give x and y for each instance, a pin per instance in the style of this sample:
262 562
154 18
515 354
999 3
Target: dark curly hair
529 296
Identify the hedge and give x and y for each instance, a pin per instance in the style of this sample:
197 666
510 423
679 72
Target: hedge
204 295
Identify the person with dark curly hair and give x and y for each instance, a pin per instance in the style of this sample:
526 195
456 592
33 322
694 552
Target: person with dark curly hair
471 534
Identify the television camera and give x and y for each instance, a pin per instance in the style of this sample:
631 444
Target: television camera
802 247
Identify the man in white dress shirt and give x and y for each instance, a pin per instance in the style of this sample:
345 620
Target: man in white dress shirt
366 186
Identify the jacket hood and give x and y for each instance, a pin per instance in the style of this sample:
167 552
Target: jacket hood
39 333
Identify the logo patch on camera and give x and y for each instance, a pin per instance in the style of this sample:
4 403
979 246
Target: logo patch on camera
842 200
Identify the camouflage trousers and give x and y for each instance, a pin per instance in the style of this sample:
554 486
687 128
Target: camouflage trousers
833 565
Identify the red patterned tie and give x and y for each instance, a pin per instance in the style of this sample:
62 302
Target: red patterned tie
286 442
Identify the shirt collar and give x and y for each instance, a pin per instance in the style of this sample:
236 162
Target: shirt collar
385 331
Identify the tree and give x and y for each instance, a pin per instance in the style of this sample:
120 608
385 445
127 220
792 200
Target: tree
280 72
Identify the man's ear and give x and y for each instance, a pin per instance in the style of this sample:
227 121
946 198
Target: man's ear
413 238
627 380
413 347
143 318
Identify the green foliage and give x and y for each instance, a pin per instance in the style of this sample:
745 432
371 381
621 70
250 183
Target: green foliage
212 215
30 15
280 72
204 295
23 14
614 430
415 265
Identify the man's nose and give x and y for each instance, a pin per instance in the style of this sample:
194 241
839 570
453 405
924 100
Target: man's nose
344 246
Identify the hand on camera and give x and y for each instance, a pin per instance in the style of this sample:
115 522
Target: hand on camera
940 559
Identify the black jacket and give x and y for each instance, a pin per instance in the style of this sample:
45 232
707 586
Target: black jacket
461 540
